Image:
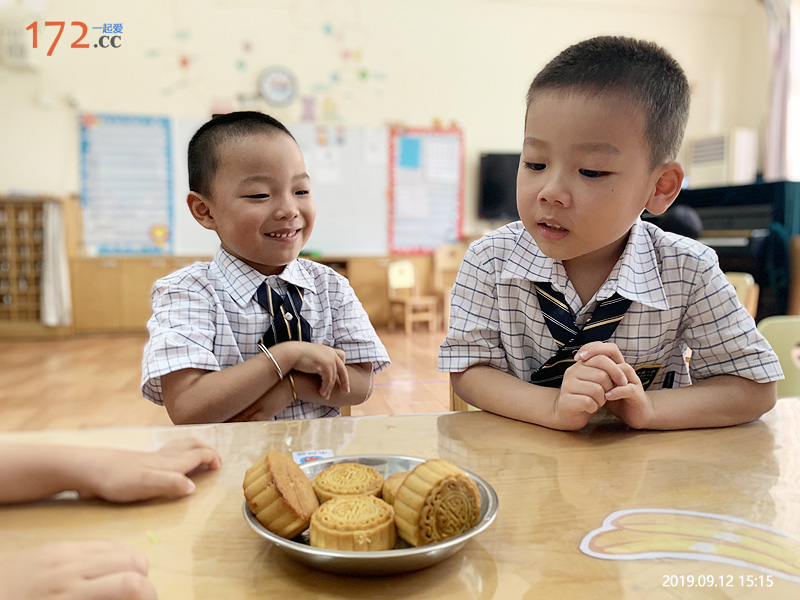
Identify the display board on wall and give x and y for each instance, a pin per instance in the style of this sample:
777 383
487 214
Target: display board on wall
425 189
376 191
126 188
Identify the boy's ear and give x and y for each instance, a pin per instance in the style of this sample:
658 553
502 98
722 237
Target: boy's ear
667 188
201 210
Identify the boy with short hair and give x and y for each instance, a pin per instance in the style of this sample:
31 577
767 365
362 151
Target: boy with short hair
583 305
257 333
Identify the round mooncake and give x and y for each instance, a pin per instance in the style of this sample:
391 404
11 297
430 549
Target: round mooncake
435 502
363 523
391 484
280 495
347 479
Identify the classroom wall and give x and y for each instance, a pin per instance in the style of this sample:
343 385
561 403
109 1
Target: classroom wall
357 62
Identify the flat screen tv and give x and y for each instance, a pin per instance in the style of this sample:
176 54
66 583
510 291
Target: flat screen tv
497 194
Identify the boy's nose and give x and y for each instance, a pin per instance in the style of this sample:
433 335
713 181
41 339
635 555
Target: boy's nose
556 191
287 208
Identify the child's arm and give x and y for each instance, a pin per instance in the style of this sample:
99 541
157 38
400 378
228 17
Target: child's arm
31 472
718 401
76 571
198 396
568 408
307 388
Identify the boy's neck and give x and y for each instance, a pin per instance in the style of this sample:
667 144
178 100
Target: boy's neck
589 272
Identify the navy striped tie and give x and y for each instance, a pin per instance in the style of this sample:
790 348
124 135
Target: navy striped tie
558 317
285 321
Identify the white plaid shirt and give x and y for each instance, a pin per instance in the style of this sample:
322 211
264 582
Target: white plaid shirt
681 299
205 316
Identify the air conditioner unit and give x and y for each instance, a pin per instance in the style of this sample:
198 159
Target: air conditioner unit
728 159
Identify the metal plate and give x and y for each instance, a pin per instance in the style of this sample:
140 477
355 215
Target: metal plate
389 562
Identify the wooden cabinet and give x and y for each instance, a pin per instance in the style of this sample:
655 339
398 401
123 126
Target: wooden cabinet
113 294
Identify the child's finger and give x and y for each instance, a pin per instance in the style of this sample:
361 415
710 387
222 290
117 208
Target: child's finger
344 376
600 348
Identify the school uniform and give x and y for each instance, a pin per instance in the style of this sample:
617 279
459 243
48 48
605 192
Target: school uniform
207 316
679 300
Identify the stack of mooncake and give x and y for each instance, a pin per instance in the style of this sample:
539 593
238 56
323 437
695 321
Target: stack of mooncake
434 502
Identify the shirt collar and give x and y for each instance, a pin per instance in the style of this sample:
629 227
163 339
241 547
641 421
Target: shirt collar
242 280
636 275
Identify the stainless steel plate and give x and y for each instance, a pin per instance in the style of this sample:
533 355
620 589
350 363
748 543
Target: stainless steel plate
389 562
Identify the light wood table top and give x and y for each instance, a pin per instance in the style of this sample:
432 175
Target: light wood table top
554 488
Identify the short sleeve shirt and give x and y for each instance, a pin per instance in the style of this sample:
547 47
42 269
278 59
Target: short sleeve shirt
680 300
206 316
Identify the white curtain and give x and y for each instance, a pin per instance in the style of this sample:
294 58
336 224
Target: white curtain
55 295
782 144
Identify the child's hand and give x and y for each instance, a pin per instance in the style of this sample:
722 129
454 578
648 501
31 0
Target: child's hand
128 476
627 400
630 402
583 390
76 571
326 362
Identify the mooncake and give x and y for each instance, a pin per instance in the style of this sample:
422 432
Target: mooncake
347 479
435 502
280 495
363 523
390 485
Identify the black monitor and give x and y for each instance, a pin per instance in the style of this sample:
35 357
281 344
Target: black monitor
497 199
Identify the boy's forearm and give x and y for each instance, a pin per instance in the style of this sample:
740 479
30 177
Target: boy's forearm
720 401
31 472
307 387
504 394
217 396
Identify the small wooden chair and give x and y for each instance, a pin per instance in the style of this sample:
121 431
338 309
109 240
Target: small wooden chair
746 289
403 294
446 263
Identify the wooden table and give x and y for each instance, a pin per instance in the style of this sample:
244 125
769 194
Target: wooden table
554 489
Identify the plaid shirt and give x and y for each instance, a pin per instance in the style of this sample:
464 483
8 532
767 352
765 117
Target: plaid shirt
681 299
205 316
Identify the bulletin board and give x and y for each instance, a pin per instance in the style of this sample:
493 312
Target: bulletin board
126 188
425 189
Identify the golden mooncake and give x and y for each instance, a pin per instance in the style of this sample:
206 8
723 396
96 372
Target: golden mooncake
390 485
362 523
347 479
280 495
435 502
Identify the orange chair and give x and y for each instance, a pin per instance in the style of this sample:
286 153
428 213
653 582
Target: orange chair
403 294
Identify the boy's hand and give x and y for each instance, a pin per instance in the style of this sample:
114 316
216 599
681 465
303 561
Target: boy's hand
129 476
627 399
630 402
76 571
328 363
583 390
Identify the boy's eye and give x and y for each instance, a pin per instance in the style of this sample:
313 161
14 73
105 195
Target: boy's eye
592 174
258 196
301 192
535 166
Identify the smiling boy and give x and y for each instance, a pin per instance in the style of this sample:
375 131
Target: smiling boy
583 305
256 333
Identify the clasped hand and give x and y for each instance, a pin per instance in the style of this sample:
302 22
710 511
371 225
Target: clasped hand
601 377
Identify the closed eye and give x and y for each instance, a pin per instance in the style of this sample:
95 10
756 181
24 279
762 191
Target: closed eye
535 166
593 174
258 196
